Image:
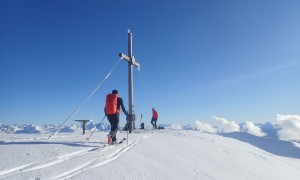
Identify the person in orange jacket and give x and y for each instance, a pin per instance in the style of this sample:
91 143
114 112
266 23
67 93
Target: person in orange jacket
112 111
154 118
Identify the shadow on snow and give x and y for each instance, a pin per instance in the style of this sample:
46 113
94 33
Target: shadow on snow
274 146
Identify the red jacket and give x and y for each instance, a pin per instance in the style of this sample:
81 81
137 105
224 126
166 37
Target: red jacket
154 114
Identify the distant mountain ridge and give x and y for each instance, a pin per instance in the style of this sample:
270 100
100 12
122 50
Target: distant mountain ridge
49 128
268 128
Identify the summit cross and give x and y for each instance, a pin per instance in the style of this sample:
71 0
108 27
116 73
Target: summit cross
131 62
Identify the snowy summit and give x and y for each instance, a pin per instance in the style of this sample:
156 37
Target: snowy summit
172 153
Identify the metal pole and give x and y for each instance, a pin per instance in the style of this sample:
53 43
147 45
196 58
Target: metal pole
131 61
130 83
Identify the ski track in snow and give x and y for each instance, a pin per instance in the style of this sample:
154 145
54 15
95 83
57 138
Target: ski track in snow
99 161
117 151
44 164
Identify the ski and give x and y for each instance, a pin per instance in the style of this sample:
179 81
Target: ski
119 142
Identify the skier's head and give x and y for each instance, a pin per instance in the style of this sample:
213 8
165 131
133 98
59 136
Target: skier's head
114 91
153 109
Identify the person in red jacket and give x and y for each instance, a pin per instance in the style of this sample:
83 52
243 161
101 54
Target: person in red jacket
154 118
112 111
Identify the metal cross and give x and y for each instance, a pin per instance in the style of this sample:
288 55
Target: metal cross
131 61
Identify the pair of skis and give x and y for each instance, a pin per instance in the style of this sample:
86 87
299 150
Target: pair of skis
118 142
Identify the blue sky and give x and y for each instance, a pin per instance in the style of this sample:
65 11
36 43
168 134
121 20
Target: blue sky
235 59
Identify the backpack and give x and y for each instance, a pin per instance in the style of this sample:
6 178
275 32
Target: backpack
111 104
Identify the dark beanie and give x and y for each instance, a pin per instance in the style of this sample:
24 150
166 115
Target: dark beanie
115 92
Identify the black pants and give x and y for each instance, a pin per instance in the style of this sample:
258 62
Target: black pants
114 123
153 122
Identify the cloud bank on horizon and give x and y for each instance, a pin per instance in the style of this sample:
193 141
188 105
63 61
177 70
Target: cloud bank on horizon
251 128
225 126
288 127
205 127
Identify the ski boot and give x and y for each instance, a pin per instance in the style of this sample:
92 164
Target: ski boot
109 140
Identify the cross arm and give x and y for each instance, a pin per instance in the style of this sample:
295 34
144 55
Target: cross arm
123 56
132 60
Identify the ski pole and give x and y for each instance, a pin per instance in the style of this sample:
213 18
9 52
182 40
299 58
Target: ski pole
127 133
96 128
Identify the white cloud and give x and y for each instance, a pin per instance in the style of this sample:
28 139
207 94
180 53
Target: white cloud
251 128
204 127
225 126
289 126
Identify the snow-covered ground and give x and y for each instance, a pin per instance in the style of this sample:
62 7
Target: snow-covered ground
148 154
226 150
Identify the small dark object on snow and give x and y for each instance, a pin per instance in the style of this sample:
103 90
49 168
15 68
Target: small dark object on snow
160 128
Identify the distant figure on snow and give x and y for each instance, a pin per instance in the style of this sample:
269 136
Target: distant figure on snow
154 118
112 111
